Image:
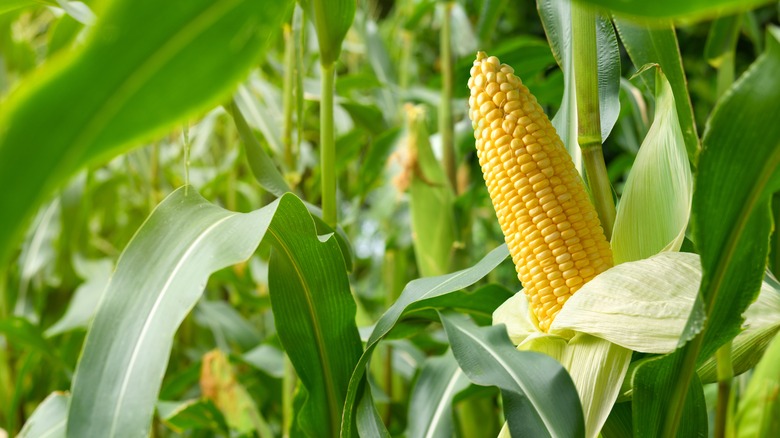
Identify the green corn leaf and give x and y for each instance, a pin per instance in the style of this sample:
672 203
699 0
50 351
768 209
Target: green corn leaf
688 10
539 396
650 383
656 43
48 419
758 414
182 242
653 212
314 313
90 104
731 213
430 403
415 295
332 19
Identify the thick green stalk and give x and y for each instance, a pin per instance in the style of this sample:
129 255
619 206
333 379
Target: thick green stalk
725 376
588 117
445 104
328 147
288 101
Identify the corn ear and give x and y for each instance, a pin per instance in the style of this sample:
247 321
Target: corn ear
549 224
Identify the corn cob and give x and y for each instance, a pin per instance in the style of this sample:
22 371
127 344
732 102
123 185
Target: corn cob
550 226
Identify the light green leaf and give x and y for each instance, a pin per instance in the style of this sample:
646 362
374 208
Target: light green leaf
91 104
539 396
81 307
49 418
431 200
653 212
178 247
656 43
430 404
228 326
643 306
688 10
758 414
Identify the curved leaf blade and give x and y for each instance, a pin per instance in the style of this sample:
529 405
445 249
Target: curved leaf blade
184 240
430 403
692 9
332 19
90 104
415 295
539 396
48 419
314 313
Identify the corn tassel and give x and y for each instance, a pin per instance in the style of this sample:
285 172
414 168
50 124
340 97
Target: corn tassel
549 223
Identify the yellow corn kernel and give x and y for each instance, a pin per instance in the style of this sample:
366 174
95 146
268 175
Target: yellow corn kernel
549 224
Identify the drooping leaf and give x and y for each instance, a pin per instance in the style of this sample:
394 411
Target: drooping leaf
314 313
656 43
688 10
643 306
75 113
653 212
430 403
414 294
539 396
178 247
82 305
227 325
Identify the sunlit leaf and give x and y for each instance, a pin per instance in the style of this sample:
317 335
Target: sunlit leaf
653 212
643 306
91 104
332 19
48 419
692 9
758 414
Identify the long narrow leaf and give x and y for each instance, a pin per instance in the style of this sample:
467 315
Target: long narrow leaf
539 396
92 104
314 314
430 404
180 245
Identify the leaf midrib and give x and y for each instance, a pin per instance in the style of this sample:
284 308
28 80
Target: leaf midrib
144 329
330 391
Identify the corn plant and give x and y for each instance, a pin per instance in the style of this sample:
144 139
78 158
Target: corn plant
242 218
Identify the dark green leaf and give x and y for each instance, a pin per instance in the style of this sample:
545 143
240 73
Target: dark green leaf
314 314
652 385
93 104
731 209
539 396
192 415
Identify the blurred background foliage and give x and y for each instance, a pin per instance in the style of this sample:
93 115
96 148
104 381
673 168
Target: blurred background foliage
388 88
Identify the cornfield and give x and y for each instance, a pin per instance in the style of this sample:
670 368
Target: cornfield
377 218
